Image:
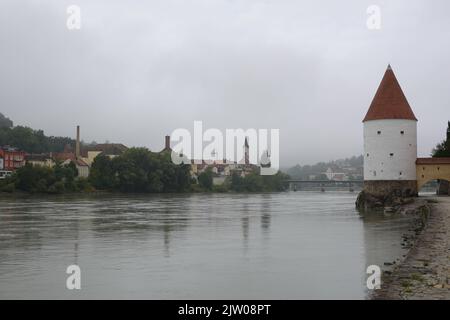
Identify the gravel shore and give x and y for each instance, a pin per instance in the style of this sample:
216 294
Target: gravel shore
425 271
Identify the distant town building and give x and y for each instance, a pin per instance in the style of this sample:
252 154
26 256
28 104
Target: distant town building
11 158
82 167
337 176
84 156
43 160
221 168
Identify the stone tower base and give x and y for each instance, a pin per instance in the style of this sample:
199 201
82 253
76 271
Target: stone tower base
385 193
383 188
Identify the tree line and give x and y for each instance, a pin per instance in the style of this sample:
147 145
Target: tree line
32 141
137 170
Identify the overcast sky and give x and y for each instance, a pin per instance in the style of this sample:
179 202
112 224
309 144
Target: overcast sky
137 70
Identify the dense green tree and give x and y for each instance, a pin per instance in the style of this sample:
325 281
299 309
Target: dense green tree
443 148
275 182
140 170
102 174
39 179
205 179
175 178
254 182
236 183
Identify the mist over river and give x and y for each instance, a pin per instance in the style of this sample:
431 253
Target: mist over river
292 245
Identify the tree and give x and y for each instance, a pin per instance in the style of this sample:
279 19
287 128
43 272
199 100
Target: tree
175 178
139 170
101 174
275 182
32 141
443 149
236 182
205 179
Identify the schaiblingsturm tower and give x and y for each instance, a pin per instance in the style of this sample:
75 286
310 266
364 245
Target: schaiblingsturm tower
390 142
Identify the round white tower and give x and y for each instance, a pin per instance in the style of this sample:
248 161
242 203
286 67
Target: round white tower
390 141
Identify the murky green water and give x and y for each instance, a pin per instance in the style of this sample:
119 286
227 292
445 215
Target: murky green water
296 245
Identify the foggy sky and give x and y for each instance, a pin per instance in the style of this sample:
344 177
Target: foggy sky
137 70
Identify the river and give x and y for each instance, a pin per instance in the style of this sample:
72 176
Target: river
293 245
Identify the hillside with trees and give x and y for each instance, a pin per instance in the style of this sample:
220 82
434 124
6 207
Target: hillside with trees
30 140
5 122
352 166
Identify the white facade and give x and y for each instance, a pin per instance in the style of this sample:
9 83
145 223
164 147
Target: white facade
390 149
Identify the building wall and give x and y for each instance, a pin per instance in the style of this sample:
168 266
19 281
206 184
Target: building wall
91 155
43 163
12 159
219 180
428 172
383 138
83 171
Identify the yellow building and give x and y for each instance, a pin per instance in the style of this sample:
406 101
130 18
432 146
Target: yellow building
428 169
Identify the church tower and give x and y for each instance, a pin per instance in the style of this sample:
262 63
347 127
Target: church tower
390 141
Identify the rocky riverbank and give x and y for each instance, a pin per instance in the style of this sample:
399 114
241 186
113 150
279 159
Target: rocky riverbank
425 271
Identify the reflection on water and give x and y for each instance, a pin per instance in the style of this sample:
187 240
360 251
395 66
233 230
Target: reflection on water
295 245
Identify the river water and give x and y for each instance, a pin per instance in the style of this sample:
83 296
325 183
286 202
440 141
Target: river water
293 245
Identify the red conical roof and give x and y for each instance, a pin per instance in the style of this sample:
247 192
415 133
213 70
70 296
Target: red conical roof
389 101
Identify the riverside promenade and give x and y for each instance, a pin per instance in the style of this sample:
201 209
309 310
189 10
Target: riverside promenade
425 271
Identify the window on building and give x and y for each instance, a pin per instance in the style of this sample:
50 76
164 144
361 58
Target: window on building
402 132
400 173
378 132
367 154
374 173
391 154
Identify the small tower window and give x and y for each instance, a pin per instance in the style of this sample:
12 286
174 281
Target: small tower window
374 173
400 173
367 154
378 132
391 154
402 132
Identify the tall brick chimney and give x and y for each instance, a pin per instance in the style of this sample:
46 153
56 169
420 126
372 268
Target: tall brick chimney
167 145
77 145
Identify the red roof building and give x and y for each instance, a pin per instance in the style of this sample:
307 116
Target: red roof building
11 159
389 101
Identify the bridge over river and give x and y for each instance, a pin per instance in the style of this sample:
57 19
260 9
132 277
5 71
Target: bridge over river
324 185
